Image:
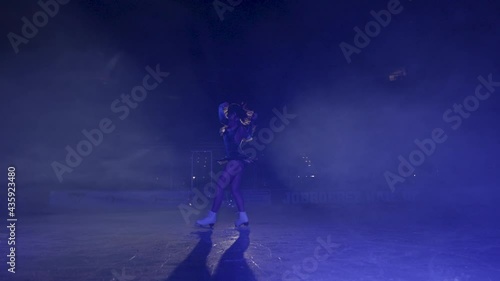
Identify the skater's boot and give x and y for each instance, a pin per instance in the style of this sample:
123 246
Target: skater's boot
243 219
209 220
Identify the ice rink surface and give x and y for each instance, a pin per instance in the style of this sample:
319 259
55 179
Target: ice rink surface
281 243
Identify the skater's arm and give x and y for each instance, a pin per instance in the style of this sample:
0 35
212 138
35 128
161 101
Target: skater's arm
222 112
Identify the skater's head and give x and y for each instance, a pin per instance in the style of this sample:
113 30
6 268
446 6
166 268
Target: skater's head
235 112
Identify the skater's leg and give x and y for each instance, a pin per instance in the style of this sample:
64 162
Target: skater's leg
222 182
217 200
235 188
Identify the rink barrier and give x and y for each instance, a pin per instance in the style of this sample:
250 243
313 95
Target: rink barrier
81 199
78 199
262 196
345 197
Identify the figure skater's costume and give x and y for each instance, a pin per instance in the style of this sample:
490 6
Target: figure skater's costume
236 138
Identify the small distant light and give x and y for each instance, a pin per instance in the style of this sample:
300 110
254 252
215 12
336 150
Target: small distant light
298 176
312 176
194 177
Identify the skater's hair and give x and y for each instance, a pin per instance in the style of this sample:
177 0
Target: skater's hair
246 116
237 109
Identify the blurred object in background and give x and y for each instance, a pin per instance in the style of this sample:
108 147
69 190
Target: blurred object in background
398 74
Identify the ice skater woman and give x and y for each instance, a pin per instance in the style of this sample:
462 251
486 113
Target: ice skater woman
238 128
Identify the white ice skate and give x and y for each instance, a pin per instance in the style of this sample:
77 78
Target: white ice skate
209 220
242 220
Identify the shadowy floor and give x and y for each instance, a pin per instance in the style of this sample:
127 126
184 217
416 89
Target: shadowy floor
281 243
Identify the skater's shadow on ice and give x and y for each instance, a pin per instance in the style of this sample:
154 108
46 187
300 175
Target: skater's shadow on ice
233 265
194 266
